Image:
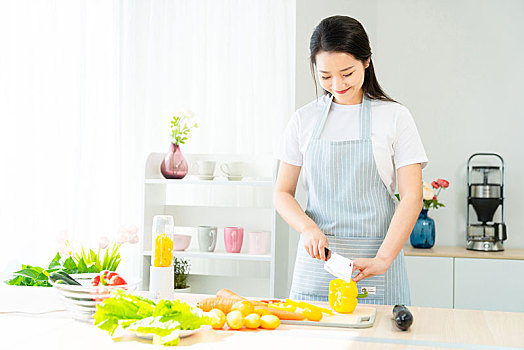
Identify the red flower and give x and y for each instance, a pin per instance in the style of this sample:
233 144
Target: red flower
443 183
435 184
434 197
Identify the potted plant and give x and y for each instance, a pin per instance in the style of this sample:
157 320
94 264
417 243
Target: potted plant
181 267
174 165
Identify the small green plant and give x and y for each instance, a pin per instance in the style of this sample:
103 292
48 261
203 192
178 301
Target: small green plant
181 267
180 127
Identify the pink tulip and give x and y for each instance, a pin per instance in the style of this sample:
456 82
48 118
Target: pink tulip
133 239
122 237
132 229
435 184
103 242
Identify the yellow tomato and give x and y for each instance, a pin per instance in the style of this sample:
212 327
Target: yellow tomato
218 318
235 319
244 306
312 314
269 322
252 321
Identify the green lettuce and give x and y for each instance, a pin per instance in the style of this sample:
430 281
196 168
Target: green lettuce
154 325
138 314
121 306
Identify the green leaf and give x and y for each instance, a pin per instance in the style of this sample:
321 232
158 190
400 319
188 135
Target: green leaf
30 273
70 266
55 263
93 269
154 325
15 281
172 339
82 267
105 263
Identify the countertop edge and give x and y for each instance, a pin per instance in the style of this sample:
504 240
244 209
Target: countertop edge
461 252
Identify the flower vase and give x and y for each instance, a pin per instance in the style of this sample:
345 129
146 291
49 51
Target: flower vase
174 165
423 234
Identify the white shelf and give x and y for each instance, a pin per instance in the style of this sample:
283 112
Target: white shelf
217 255
219 202
220 182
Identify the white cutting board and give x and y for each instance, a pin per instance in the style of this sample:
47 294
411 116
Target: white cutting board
362 317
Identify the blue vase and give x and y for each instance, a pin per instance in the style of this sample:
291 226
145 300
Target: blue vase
423 234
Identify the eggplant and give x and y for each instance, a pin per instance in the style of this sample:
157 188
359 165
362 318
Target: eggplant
63 276
402 317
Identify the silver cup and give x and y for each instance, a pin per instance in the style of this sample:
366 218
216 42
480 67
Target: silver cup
207 238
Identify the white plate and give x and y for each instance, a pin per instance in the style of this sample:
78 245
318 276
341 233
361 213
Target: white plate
183 334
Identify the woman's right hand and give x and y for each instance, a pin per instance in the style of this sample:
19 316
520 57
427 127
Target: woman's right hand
314 242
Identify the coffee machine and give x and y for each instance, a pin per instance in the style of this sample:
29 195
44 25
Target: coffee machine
485 195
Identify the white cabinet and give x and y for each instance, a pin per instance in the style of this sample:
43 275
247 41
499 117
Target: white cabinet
219 202
489 284
430 281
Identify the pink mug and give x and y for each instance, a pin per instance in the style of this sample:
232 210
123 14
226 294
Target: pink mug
233 237
257 242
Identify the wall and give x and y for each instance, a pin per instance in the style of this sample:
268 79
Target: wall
457 67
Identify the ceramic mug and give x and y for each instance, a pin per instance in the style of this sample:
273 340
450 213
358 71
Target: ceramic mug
233 238
232 169
207 238
205 167
257 242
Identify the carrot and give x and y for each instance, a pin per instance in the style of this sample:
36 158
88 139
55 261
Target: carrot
282 314
226 293
224 304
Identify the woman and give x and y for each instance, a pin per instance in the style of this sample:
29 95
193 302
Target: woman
354 143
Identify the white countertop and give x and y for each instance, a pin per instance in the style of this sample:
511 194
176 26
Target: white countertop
442 328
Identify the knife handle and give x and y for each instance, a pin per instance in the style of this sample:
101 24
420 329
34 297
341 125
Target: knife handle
402 317
327 252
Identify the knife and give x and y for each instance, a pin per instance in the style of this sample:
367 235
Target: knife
338 266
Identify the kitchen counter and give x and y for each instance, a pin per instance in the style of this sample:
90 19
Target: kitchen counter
432 328
461 252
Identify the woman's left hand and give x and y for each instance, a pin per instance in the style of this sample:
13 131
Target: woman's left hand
369 267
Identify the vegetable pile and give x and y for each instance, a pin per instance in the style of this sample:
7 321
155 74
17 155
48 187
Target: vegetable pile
164 319
82 262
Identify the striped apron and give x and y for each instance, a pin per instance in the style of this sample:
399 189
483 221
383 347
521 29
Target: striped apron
351 205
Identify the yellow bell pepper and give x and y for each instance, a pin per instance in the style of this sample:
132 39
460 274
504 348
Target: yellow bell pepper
282 306
304 305
343 295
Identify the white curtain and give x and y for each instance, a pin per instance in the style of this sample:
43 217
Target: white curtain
88 88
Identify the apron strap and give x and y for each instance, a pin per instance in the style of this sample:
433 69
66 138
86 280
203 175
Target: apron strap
365 119
322 120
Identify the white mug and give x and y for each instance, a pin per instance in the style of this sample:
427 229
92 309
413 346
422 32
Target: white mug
205 167
233 169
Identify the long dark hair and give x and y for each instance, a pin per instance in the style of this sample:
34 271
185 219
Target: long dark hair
346 34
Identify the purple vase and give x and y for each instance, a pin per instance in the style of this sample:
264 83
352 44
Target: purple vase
174 165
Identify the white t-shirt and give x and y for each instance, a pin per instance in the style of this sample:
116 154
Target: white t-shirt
394 135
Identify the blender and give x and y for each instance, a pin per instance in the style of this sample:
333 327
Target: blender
485 195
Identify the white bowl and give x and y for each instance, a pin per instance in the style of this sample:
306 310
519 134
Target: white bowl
181 241
81 300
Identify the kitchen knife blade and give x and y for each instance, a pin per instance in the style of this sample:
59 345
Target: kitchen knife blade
338 266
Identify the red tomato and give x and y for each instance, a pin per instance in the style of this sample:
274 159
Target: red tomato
116 281
95 281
